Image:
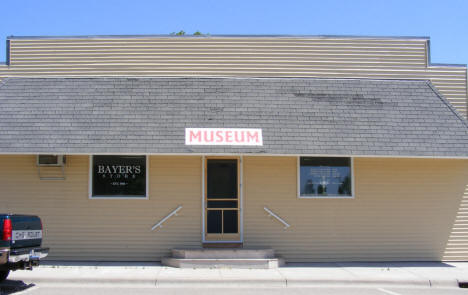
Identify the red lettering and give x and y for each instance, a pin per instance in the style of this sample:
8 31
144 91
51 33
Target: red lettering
195 136
219 136
223 136
252 137
228 136
237 138
210 139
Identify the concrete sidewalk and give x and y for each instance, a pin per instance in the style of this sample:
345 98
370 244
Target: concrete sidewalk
421 274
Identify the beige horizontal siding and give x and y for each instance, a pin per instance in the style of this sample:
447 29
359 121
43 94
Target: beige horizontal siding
78 228
235 56
457 245
404 209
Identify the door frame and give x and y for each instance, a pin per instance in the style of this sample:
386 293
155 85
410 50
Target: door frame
240 174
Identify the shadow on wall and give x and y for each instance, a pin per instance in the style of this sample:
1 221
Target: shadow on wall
456 248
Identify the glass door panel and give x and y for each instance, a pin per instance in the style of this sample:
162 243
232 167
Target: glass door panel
222 200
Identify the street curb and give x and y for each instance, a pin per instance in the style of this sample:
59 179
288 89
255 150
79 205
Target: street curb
158 276
219 283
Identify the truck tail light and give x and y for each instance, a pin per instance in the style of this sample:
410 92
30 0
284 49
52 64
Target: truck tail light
6 230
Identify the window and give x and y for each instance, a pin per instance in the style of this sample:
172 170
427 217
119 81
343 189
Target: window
325 177
118 177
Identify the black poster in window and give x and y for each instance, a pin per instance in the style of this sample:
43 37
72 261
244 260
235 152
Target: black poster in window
119 176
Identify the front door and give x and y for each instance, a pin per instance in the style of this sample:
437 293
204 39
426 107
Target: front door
222 200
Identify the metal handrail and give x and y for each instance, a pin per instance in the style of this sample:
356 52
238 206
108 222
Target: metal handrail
270 213
159 224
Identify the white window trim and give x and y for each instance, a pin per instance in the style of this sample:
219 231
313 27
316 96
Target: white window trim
298 180
90 184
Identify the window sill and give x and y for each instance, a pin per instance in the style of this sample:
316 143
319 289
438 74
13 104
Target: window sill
325 197
119 198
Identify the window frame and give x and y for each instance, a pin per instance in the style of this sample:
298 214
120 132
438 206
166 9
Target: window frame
61 160
298 179
116 197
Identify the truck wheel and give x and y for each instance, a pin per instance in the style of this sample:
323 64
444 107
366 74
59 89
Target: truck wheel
3 275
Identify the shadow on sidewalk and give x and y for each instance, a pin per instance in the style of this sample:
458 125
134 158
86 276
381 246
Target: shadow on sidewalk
12 286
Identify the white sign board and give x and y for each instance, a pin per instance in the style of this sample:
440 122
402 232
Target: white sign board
223 136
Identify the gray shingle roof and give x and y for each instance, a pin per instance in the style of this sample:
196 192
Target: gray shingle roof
297 116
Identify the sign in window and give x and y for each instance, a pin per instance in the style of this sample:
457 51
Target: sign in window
119 176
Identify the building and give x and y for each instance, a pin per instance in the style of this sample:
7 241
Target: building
323 148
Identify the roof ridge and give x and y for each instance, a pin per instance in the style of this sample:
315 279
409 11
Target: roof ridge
447 103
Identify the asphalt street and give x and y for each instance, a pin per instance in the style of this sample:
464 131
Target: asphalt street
105 290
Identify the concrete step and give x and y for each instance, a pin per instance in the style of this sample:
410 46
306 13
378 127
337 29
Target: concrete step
223 258
262 263
223 253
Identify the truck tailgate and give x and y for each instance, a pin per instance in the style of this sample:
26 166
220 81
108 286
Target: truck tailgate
26 231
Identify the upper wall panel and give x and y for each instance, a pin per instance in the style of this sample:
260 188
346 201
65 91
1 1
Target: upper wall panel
331 57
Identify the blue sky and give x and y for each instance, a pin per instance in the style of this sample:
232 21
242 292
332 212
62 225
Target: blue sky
446 22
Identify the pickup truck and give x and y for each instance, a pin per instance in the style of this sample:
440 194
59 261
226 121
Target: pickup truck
20 243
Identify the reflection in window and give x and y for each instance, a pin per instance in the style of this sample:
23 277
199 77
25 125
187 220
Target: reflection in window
325 177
